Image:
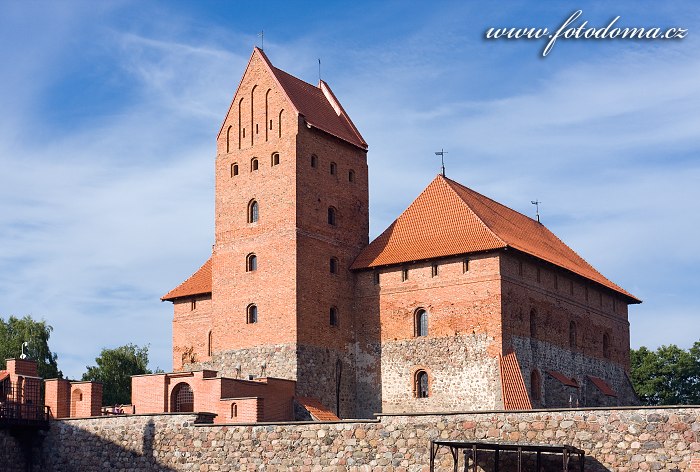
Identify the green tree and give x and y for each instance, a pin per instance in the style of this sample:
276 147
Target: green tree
15 331
668 376
115 368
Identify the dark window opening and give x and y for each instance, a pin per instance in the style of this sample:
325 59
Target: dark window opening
351 176
333 265
193 305
465 265
254 164
434 270
375 276
404 274
251 263
421 323
314 160
234 169
275 158
333 316
331 216
253 212
421 384
252 314
334 168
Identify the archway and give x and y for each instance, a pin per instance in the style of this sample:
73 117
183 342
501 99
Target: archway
182 398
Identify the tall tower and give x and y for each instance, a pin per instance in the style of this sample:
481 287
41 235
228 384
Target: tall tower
291 216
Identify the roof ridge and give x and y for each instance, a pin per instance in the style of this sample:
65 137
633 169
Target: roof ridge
478 217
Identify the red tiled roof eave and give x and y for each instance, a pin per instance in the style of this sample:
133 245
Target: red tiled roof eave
198 283
317 410
448 219
603 386
4 374
563 379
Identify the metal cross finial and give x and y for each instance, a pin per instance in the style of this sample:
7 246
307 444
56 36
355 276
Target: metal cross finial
261 35
537 208
442 153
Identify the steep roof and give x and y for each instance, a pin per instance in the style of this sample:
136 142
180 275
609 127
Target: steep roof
198 283
448 219
515 395
317 104
316 409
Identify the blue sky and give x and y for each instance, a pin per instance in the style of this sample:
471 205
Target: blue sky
110 112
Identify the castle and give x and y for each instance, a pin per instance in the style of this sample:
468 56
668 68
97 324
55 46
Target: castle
460 304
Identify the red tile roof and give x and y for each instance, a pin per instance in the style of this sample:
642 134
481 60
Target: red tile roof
316 409
563 379
198 283
512 385
317 104
602 386
448 219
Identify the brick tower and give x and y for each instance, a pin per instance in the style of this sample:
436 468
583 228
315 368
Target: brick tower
291 216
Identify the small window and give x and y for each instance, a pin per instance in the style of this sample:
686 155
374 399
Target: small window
434 270
333 265
533 324
234 169
334 168
606 345
465 265
572 335
244 132
351 176
275 159
252 314
251 263
234 410
420 387
270 124
256 129
253 212
331 216
254 164
209 343
421 323
333 316
193 304
404 274
314 160
375 277
535 385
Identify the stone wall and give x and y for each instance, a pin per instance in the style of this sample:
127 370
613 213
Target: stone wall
665 439
11 457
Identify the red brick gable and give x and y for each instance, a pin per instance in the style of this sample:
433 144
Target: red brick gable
198 283
317 104
448 219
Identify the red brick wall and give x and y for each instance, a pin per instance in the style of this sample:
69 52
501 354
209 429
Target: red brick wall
22 367
191 329
85 399
57 397
149 393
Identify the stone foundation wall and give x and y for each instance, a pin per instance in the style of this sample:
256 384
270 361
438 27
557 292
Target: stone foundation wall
11 457
535 354
462 375
280 361
665 439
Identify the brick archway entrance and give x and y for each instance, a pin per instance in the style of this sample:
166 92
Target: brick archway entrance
182 398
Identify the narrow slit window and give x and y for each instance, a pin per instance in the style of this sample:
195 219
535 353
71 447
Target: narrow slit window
252 314
334 168
465 265
404 274
253 212
254 164
333 265
434 270
421 323
234 169
375 277
332 217
193 304
421 384
314 160
251 263
333 316
351 176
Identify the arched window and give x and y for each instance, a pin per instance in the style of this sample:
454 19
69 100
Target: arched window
420 384
234 410
182 398
280 123
254 164
333 265
606 345
333 316
209 339
251 263
533 323
332 216
535 385
253 212
351 176
234 169
275 158
421 322
334 168
572 335
314 160
228 139
252 314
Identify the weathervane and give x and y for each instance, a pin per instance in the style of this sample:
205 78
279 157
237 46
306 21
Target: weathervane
442 153
261 35
537 208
